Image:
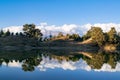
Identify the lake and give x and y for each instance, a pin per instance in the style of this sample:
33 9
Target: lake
39 65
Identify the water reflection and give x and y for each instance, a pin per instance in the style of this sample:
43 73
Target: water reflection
30 61
52 63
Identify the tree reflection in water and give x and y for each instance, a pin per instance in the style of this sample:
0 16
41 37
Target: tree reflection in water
30 63
30 60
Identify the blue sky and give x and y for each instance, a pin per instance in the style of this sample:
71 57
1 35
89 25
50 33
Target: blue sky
58 12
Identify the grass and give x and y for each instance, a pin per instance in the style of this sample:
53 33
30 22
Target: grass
59 44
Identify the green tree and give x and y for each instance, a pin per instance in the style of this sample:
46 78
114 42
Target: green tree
30 63
12 33
67 35
7 33
60 34
1 33
17 34
21 34
118 37
87 35
112 34
112 60
50 36
97 35
119 34
45 39
76 37
27 67
31 31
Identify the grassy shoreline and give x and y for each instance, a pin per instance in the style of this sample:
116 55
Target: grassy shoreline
23 43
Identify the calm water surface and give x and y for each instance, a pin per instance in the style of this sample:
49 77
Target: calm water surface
35 65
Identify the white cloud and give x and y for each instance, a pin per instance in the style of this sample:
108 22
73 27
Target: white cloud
66 28
108 68
13 29
13 64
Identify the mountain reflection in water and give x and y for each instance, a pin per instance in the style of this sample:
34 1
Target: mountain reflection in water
29 61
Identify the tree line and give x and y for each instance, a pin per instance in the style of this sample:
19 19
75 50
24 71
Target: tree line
96 33
29 30
101 38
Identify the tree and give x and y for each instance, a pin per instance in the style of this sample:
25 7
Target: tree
112 34
97 61
31 31
12 33
119 34
37 34
68 35
30 63
50 36
1 33
45 39
60 34
97 35
21 34
7 33
112 60
87 35
76 37
17 34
